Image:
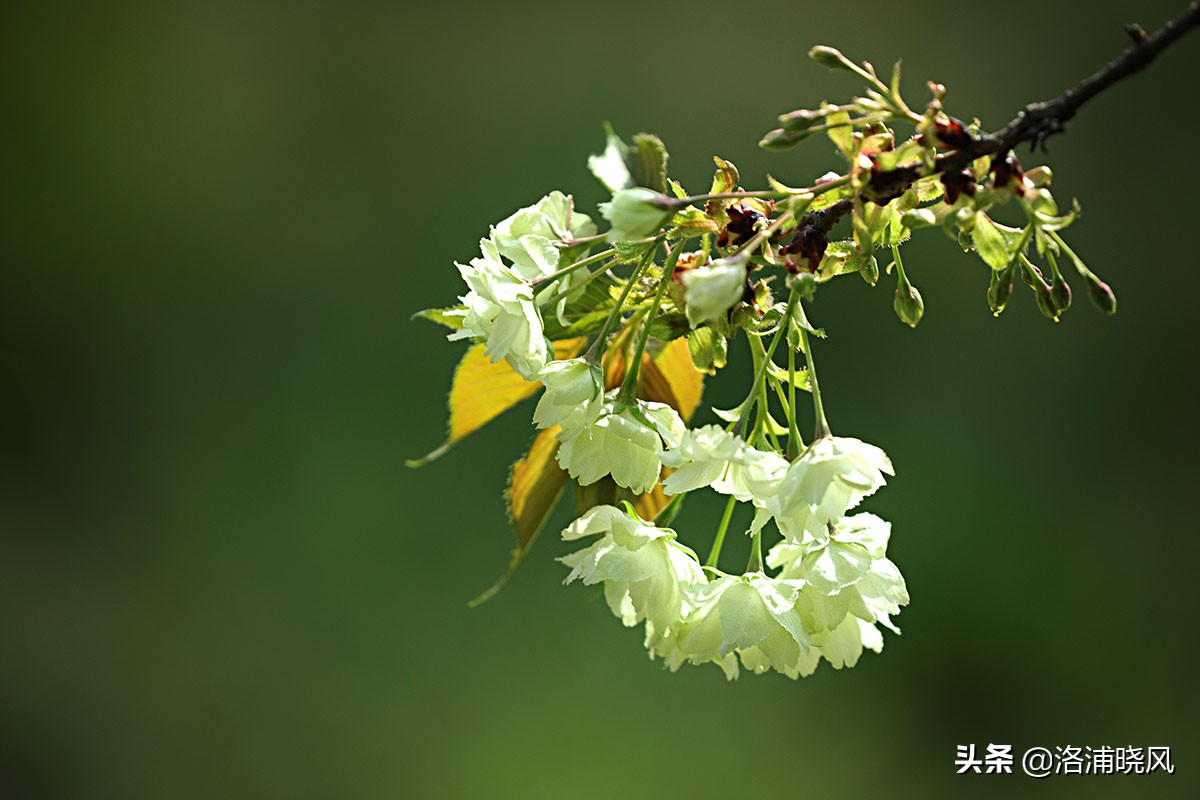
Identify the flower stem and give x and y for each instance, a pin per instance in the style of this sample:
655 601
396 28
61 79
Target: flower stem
822 426
629 386
715 553
761 370
567 270
591 276
592 356
795 443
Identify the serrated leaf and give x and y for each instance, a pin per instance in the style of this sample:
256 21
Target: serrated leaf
534 487
483 389
990 242
841 258
648 162
450 316
692 222
929 188
727 177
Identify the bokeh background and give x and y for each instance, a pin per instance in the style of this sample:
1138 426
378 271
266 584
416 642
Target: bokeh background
217 577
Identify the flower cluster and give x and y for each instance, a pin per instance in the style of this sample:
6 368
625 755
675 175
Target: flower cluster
674 282
502 307
834 584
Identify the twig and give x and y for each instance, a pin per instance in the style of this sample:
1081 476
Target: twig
1039 121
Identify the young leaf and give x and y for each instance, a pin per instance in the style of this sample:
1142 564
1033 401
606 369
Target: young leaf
841 133
708 349
482 390
451 316
534 487
649 162
990 242
726 179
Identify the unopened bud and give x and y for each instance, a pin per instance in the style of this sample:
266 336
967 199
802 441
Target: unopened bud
1102 295
828 57
869 270
1039 176
1000 289
803 119
778 139
1060 293
908 303
637 213
1045 302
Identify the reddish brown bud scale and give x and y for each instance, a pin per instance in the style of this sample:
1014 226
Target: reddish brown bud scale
957 184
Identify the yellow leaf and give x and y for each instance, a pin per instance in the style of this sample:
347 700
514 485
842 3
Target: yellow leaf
482 390
534 486
605 492
671 377
648 505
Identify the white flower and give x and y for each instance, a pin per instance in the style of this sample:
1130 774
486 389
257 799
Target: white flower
843 645
712 290
645 571
711 456
832 476
754 616
845 574
625 441
573 396
527 237
636 213
500 309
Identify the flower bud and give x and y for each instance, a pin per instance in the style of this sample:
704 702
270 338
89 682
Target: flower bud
800 120
1060 293
636 213
828 57
1102 295
908 303
1000 289
1045 302
712 290
1039 176
869 270
779 139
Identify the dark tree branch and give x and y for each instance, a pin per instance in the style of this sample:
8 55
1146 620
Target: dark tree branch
1038 121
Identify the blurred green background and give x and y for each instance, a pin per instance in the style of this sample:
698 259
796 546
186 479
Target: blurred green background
217 577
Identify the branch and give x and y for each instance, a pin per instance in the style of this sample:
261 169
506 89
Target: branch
1038 121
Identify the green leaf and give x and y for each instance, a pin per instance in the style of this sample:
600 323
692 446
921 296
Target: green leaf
692 222
450 316
648 162
910 152
990 242
534 487
726 178
841 133
842 258
708 349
